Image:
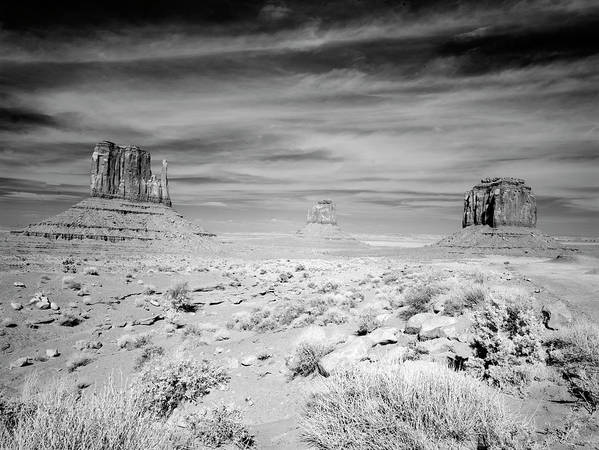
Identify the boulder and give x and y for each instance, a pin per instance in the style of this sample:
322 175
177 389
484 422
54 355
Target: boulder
249 360
9 322
16 306
52 352
384 336
415 322
500 202
434 346
556 315
346 355
444 326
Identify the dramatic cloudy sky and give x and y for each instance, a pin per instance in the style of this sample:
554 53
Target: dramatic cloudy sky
391 108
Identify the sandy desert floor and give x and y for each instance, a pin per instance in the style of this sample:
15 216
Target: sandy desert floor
125 296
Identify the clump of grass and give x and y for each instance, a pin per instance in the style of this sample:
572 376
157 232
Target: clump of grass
219 426
413 405
178 296
418 299
467 297
70 283
306 357
575 350
77 361
163 385
56 417
367 322
148 353
132 341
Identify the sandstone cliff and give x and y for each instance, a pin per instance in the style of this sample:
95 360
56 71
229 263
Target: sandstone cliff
126 173
500 202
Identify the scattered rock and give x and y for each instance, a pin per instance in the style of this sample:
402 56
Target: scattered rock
9 322
248 360
16 306
556 315
348 354
434 346
19 284
415 322
43 305
384 336
52 352
149 320
21 362
54 306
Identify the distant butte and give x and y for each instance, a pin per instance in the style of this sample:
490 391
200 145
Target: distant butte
500 202
500 214
127 203
126 173
321 223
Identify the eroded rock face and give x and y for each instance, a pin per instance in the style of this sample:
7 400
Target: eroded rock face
323 212
500 202
125 172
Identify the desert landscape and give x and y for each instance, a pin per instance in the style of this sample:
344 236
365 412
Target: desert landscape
126 326
299 225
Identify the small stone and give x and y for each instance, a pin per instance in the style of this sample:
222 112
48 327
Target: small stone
43 305
248 360
9 323
54 306
19 284
16 306
52 352
21 362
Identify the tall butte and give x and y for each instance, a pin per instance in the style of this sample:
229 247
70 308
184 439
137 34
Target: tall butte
127 203
126 173
322 222
500 213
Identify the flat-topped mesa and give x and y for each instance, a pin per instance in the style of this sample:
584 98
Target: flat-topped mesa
125 172
500 202
323 212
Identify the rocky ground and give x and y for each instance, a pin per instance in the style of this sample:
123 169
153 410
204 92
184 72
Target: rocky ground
90 312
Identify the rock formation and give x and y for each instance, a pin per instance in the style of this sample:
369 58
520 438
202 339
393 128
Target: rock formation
126 173
321 223
323 212
127 203
500 202
500 216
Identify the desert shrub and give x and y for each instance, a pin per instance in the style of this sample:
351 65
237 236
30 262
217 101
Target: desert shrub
507 332
333 315
328 286
469 297
54 417
367 322
148 353
69 265
132 341
167 382
219 426
192 329
304 360
77 361
413 405
418 298
70 283
178 296
575 350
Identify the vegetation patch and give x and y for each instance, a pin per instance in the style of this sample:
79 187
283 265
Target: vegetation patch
413 405
219 426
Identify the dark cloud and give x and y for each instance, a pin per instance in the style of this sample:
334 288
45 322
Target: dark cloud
23 119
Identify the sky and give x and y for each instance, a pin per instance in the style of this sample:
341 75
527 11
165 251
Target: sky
393 109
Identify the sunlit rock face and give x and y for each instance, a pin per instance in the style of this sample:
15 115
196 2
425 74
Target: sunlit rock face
125 172
323 212
500 202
